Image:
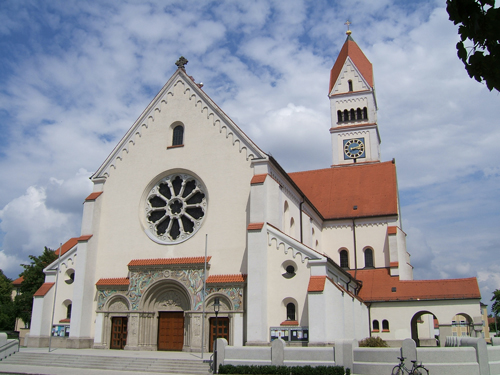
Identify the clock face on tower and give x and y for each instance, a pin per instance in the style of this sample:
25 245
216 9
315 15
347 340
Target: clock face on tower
354 148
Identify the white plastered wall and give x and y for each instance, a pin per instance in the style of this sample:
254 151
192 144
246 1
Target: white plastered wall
399 314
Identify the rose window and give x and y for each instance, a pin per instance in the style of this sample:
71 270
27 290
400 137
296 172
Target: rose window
175 208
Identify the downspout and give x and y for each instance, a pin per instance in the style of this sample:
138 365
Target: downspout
355 252
300 219
369 318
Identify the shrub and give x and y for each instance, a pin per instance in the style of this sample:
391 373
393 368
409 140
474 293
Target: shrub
282 370
373 342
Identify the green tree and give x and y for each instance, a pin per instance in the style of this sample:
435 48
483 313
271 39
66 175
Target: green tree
479 24
7 312
33 279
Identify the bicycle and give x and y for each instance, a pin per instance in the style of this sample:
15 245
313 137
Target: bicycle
415 370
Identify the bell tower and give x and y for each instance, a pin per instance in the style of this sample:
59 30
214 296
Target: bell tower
354 130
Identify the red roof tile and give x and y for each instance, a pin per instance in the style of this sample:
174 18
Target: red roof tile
316 284
18 281
372 188
43 289
168 261
64 321
255 226
378 285
258 178
114 281
93 196
289 323
394 264
222 279
392 230
71 243
351 49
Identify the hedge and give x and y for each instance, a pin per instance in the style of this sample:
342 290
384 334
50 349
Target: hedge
283 370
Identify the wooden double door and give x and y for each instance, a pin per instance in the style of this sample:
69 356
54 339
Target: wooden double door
171 330
118 333
221 330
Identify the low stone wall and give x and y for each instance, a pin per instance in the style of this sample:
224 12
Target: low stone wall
472 357
278 354
7 347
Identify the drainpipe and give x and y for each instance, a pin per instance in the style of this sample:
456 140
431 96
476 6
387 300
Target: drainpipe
300 219
354 240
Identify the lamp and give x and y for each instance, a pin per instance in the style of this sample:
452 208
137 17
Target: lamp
216 311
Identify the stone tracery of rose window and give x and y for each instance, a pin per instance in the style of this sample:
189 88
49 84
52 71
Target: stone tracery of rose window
175 208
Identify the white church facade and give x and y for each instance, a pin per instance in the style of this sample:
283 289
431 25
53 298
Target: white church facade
311 257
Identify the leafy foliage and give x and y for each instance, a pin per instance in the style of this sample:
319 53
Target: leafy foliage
282 370
479 22
33 280
373 342
7 312
495 308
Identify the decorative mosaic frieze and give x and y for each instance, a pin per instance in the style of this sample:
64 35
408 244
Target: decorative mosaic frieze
102 297
235 294
192 279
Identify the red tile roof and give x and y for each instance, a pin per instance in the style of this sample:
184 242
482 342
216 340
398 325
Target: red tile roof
64 320
316 284
258 178
372 188
255 226
18 281
289 323
43 289
392 230
222 279
71 243
114 281
168 261
351 49
378 285
93 196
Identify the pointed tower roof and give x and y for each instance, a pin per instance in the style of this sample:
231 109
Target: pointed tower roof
351 49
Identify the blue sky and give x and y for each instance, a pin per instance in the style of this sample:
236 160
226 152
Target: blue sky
74 76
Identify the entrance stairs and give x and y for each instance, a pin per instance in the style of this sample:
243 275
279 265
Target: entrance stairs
111 362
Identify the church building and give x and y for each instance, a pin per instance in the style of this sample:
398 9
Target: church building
310 257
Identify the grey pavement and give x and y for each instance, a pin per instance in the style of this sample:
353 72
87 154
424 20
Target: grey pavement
8 368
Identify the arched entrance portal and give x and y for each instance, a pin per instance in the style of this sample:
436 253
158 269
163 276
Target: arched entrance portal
425 329
169 299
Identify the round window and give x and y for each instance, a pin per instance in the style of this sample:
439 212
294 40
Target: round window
175 208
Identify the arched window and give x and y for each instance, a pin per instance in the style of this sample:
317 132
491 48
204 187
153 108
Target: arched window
350 85
290 311
292 224
339 116
344 259
68 311
365 113
346 115
359 114
385 325
353 115
375 326
368 258
178 136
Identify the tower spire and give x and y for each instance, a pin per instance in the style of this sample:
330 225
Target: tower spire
354 130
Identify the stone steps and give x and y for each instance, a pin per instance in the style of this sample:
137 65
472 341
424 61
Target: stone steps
153 365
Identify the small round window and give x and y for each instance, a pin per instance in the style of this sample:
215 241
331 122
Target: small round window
175 208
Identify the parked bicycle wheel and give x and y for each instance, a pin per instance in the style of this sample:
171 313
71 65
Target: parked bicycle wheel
420 370
397 371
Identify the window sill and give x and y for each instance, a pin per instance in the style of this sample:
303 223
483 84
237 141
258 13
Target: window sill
385 330
176 146
375 331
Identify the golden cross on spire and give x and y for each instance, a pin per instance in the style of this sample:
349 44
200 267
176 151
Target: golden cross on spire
348 32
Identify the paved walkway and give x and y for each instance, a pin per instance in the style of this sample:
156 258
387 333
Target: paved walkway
47 370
